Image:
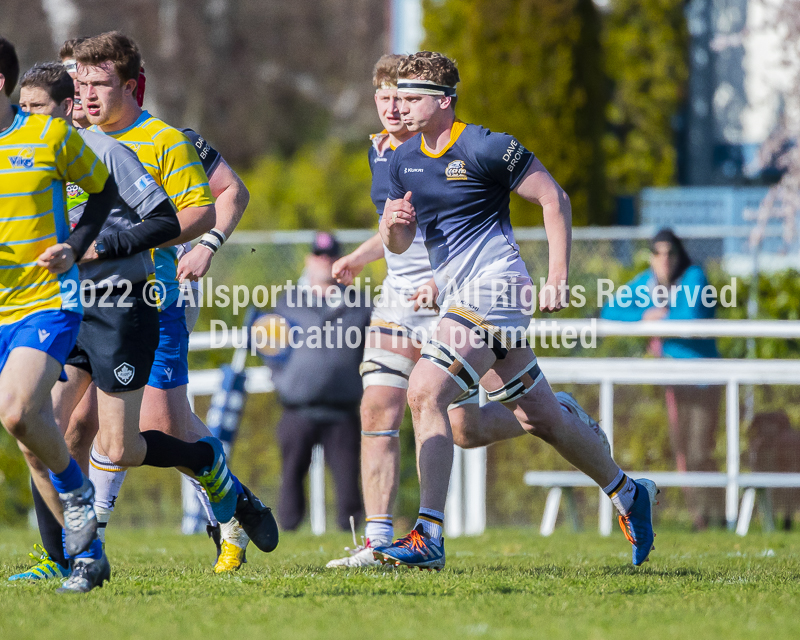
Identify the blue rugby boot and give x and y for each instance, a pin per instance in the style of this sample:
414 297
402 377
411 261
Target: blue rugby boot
638 524
218 483
44 567
414 550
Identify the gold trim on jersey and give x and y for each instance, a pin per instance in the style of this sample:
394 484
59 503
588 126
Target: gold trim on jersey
456 130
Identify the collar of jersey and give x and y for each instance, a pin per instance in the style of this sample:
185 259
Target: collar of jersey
144 116
377 138
455 132
16 123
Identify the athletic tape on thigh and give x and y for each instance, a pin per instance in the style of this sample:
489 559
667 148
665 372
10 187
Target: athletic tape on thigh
394 433
446 358
384 368
470 396
523 382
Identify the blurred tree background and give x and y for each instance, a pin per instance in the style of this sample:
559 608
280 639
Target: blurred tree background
283 90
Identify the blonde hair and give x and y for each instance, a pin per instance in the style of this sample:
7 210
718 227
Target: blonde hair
385 73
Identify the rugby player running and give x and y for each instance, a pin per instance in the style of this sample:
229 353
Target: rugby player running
404 318
40 307
454 182
110 103
119 331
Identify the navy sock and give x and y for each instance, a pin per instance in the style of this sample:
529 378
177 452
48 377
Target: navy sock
167 451
69 479
49 528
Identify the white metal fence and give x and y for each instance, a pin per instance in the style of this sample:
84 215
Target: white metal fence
467 499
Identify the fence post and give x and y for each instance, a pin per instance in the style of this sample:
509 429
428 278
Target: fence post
475 484
605 511
454 507
475 491
732 468
316 490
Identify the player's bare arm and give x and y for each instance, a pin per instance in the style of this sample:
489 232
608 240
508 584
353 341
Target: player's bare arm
346 268
399 224
195 221
538 186
232 198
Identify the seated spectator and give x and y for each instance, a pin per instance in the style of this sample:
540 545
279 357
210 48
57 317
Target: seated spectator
692 411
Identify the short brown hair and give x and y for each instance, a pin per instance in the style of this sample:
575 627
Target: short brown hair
68 48
115 47
429 65
9 65
385 72
53 78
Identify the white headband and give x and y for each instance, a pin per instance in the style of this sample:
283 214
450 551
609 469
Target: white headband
424 87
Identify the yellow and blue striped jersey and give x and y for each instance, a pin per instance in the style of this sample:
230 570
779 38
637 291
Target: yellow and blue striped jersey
171 158
38 155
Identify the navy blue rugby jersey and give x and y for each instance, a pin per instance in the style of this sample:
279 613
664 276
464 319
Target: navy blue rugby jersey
379 166
461 196
408 271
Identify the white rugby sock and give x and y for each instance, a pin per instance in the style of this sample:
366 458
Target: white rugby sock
107 479
203 498
431 522
621 491
233 533
380 529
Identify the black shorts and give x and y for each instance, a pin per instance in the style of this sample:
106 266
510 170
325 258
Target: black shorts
117 344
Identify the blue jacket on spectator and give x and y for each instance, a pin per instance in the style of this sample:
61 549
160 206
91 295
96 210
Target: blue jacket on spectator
641 300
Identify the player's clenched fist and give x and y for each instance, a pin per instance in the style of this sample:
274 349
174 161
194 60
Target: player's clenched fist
399 212
57 259
554 296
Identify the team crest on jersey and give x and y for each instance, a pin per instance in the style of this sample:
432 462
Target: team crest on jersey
23 160
73 190
456 170
133 146
124 373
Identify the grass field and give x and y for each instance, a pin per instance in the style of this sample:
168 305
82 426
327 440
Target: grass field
506 584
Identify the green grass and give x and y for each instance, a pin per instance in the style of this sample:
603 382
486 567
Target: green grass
506 584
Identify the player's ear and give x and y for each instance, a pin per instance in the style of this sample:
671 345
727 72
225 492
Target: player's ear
2 82
129 88
68 105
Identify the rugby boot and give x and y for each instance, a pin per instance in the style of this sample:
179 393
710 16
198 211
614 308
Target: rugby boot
86 575
256 520
416 549
80 519
638 524
44 567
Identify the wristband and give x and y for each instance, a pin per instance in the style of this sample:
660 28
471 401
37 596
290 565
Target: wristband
208 245
218 234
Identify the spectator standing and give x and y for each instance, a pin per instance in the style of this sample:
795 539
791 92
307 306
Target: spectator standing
319 385
692 410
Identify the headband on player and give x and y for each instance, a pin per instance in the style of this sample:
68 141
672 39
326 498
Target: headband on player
140 87
71 65
425 87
